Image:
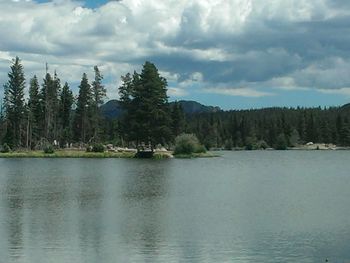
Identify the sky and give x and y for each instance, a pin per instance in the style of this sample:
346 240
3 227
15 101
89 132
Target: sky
235 54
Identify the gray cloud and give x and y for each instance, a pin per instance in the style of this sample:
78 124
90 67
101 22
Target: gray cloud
237 43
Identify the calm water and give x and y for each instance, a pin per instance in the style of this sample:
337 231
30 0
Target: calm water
243 207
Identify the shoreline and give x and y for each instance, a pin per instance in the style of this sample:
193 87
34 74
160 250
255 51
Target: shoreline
106 154
157 155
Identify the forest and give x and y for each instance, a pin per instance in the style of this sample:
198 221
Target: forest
52 114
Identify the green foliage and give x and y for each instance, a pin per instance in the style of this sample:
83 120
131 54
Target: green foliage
281 143
262 145
82 128
178 119
144 99
228 145
50 105
97 148
14 103
5 148
200 149
49 149
65 109
98 93
250 143
35 114
294 138
188 144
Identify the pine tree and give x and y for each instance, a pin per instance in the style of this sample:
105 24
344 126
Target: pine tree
125 98
66 102
82 126
178 119
35 112
14 104
50 90
98 94
146 102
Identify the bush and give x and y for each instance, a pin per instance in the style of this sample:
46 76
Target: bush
262 145
281 143
228 145
188 144
250 143
49 149
200 149
5 148
98 148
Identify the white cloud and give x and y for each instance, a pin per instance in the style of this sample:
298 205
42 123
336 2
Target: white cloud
238 92
341 91
177 92
249 44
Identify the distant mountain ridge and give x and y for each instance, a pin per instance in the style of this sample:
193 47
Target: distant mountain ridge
112 108
191 107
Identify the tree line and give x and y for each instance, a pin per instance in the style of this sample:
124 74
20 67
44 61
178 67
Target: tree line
278 128
47 116
53 114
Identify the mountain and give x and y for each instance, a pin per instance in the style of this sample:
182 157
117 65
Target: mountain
192 107
112 108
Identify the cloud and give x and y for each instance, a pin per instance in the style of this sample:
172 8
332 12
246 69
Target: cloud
251 44
341 91
239 92
177 92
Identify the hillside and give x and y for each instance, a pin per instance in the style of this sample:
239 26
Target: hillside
112 109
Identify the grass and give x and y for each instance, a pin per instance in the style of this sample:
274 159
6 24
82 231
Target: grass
84 154
66 154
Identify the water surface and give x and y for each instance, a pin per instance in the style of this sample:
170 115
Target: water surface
257 206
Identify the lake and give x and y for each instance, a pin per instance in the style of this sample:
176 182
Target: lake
258 206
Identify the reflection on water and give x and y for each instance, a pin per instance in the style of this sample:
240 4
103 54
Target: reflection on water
208 210
144 191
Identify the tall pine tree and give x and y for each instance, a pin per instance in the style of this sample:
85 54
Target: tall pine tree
14 104
98 93
146 102
82 124
66 103
35 113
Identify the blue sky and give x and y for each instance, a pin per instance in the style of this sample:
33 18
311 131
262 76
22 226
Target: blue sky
231 53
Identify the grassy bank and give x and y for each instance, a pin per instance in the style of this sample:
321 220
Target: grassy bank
66 154
84 154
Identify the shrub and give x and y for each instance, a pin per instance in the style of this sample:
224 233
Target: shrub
250 143
98 148
281 143
5 148
49 149
262 145
200 149
188 144
228 145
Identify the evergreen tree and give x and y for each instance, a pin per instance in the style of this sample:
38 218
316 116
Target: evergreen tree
66 102
126 91
146 102
50 103
98 93
178 119
14 104
35 112
82 127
